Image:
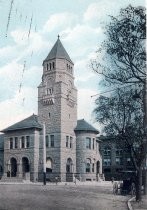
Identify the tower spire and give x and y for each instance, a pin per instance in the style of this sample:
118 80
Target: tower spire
58 36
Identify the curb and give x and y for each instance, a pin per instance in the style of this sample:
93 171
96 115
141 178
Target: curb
129 203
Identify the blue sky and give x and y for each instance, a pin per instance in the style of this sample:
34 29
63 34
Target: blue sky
29 30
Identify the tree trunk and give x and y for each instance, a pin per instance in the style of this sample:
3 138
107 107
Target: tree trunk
138 184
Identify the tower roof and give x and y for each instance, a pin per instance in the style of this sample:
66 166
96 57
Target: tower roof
30 122
58 51
82 125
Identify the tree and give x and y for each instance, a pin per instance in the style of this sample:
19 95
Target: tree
122 117
124 48
124 63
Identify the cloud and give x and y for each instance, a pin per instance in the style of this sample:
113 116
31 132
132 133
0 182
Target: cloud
81 35
100 10
59 20
20 106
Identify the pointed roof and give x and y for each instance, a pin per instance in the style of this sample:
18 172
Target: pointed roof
30 122
58 51
82 125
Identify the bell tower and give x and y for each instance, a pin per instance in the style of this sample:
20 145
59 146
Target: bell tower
57 107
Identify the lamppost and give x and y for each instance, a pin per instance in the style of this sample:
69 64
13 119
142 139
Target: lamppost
44 154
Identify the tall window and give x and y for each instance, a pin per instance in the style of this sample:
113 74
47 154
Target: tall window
71 140
47 141
92 167
88 162
67 140
27 141
11 143
119 156
16 142
53 65
93 142
107 156
52 140
88 143
22 142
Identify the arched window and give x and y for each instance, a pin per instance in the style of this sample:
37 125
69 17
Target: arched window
49 165
88 162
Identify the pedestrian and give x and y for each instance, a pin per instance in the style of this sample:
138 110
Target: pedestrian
115 188
56 180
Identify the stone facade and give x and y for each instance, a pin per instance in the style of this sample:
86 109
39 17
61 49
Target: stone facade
115 159
66 153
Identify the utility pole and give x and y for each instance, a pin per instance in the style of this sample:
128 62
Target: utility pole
44 154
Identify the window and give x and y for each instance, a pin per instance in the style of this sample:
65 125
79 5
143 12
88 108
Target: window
119 152
52 140
128 161
47 141
53 65
27 141
107 151
67 139
47 66
118 161
71 140
88 162
88 143
49 91
49 114
92 167
11 143
50 66
93 142
107 162
16 142
22 142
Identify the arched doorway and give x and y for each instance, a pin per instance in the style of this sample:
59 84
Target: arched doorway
25 166
69 166
69 170
13 163
49 166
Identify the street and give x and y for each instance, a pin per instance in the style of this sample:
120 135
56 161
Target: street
59 197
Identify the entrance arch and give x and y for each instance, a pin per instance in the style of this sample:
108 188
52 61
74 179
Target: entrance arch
25 165
13 163
69 166
49 165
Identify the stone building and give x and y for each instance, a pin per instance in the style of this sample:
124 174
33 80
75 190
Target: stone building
72 147
115 160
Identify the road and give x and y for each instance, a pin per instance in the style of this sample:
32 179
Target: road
59 197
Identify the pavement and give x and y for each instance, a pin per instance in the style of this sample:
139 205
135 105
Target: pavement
63 196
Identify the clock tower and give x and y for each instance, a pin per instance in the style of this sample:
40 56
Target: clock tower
57 108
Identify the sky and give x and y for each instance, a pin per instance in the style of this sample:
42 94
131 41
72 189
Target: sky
28 31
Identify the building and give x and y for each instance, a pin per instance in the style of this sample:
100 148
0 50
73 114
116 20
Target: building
115 159
72 147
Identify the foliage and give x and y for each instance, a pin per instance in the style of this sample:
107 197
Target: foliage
124 48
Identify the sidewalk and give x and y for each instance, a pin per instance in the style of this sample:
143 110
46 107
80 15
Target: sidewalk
142 205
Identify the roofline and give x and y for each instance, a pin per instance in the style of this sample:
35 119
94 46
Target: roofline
7 130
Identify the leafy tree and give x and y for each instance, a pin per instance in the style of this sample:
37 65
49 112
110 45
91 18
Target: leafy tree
124 48
123 62
122 117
